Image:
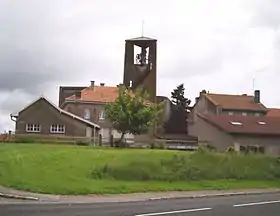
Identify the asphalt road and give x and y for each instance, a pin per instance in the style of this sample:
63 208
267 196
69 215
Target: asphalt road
257 205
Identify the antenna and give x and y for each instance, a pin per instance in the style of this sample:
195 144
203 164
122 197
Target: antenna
253 83
142 28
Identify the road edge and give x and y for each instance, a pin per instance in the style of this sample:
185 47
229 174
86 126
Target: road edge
214 195
135 199
15 196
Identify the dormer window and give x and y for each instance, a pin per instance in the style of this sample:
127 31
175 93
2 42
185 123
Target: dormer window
236 123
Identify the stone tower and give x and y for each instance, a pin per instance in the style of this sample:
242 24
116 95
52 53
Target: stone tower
140 65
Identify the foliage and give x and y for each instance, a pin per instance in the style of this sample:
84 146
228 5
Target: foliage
132 112
70 169
194 166
178 97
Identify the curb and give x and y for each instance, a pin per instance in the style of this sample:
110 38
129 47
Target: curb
13 196
212 195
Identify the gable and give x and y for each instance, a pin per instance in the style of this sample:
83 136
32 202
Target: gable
56 109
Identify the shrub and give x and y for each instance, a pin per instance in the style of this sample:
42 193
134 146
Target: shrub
193 166
82 143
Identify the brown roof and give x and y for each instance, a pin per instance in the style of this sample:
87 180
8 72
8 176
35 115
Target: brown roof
98 94
258 125
273 112
237 102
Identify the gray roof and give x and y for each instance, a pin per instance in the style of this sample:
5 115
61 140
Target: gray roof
141 39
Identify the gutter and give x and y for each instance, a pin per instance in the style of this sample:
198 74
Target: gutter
14 117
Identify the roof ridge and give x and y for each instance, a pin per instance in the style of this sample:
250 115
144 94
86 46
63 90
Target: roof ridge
224 94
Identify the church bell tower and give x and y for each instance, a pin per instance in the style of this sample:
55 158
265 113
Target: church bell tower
140 65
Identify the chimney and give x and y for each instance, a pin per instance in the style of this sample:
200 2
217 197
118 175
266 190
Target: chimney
257 96
102 84
92 83
78 94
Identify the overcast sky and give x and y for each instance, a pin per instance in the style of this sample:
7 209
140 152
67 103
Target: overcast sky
217 45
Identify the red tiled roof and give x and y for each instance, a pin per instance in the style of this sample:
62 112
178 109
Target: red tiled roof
237 102
103 94
273 112
262 125
98 94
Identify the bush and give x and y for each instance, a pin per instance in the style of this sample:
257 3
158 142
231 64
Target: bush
193 166
230 150
158 145
25 140
82 143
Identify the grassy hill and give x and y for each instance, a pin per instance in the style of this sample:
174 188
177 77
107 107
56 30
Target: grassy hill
62 169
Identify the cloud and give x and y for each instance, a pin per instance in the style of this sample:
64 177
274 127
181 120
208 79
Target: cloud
216 45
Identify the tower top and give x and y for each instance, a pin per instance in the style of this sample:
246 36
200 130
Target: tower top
141 39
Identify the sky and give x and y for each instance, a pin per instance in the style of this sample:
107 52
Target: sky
217 45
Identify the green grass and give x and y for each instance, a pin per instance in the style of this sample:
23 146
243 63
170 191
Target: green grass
62 169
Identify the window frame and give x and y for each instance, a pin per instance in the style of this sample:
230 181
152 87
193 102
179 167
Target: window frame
87 114
57 127
33 126
101 115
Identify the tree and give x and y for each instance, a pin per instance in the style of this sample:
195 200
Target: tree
178 97
177 123
132 112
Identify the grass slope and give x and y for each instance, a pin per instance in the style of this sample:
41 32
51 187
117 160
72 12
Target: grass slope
83 170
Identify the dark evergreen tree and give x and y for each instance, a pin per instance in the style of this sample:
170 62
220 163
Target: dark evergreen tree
178 97
177 124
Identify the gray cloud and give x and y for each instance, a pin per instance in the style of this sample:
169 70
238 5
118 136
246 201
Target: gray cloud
47 43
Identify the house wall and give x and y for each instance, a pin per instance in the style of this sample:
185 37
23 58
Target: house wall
210 134
44 114
271 144
95 109
203 106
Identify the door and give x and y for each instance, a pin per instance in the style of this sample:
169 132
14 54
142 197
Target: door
88 132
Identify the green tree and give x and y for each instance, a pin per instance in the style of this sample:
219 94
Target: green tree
132 112
178 97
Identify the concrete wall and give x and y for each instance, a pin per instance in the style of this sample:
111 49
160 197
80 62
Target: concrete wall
271 144
211 134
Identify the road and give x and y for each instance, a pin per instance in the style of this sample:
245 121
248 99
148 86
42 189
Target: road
257 205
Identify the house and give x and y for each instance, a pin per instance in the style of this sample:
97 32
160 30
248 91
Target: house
241 121
89 103
45 118
225 104
241 132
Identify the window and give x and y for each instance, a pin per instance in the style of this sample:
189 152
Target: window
33 128
257 114
87 114
236 123
102 115
230 113
57 128
244 114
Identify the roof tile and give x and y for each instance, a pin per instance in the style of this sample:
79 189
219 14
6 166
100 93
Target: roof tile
98 94
273 112
236 102
262 125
